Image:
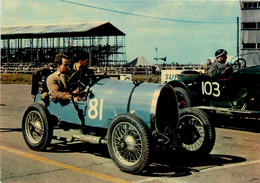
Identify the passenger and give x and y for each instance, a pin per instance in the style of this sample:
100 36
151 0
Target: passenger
219 66
207 66
57 82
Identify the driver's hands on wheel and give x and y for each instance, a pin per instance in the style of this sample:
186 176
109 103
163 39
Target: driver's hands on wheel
77 83
76 99
67 96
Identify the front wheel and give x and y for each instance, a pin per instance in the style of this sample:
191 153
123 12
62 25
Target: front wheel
183 97
128 143
197 134
36 127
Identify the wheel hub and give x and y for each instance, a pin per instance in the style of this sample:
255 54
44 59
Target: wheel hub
190 134
37 126
129 142
182 104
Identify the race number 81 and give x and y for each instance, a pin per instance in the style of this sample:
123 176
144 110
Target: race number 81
209 88
95 109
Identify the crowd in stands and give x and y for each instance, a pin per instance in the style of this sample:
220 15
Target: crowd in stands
26 68
21 68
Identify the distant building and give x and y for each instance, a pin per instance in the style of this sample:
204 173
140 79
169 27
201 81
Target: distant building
104 43
250 31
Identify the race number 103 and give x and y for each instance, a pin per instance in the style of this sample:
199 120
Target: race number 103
210 88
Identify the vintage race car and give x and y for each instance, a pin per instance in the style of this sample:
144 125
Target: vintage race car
237 92
132 118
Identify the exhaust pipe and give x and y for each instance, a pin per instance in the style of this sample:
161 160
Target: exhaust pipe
90 139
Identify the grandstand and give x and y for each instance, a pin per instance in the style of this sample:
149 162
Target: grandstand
39 44
26 48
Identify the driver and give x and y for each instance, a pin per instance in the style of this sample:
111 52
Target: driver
219 66
57 82
82 65
82 62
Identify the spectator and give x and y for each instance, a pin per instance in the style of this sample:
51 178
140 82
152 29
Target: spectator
207 66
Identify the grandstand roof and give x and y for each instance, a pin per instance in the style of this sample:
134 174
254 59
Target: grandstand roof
60 30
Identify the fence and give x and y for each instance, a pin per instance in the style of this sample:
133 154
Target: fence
28 68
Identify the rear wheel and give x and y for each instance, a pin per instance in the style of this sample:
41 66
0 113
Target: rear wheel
183 97
197 134
37 130
128 143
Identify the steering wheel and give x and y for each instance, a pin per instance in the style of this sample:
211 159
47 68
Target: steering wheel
76 83
239 64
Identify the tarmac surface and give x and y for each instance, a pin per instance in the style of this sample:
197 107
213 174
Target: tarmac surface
234 158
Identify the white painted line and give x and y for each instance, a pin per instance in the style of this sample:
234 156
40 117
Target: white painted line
198 171
160 178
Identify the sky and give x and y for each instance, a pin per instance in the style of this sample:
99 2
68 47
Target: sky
187 32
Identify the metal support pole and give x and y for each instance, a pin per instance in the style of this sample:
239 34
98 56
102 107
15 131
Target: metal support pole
238 37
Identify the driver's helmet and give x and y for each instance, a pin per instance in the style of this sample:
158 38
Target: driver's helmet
220 52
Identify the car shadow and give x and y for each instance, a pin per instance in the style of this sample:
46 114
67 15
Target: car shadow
163 164
10 130
236 123
78 146
176 165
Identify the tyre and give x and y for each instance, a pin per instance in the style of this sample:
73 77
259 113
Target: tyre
36 127
183 97
197 134
128 143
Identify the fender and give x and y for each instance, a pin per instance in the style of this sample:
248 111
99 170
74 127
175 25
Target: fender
180 83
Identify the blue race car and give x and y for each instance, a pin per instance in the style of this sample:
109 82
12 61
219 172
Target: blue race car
132 118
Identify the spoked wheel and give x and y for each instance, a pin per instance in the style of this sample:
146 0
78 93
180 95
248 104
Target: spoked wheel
197 135
128 143
37 131
183 97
